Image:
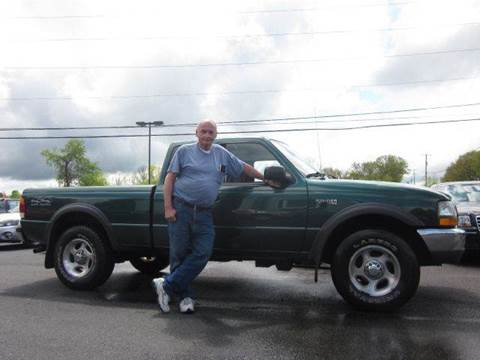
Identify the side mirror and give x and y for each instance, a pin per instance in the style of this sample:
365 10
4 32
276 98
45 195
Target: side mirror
278 174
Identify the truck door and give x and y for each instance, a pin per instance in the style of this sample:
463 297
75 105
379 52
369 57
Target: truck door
253 217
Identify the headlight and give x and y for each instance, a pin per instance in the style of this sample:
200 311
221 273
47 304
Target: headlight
464 221
447 213
9 223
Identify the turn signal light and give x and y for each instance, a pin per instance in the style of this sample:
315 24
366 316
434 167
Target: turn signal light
448 221
23 208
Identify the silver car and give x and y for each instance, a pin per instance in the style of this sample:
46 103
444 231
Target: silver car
9 221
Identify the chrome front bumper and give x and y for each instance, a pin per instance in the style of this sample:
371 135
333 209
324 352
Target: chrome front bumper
445 245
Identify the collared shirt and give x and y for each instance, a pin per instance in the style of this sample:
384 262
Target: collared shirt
200 173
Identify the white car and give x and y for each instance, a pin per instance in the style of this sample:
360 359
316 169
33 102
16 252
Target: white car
8 227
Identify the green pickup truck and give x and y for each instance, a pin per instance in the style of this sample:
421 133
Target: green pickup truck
374 235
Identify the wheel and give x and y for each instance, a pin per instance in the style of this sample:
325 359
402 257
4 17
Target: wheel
375 270
82 259
149 264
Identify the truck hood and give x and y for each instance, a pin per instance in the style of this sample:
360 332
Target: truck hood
379 187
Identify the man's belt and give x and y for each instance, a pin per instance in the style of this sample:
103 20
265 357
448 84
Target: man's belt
193 206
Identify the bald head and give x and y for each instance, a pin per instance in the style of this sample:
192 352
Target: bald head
206 133
209 122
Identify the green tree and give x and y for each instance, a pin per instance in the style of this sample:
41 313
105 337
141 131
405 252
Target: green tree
92 176
384 168
15 194
72 165
466 167
141 175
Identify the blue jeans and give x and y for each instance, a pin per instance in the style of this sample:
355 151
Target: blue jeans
191 239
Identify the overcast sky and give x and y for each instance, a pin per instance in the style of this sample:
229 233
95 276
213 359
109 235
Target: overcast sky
101 63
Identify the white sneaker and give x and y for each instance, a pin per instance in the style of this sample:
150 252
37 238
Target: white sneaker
187 306
163 298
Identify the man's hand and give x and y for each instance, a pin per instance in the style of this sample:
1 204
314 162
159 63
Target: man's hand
274 184
170 214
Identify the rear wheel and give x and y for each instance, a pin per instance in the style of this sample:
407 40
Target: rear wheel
375 270
82 260
149 264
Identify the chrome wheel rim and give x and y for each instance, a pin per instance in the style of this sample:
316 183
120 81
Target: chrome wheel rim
78 258
374 270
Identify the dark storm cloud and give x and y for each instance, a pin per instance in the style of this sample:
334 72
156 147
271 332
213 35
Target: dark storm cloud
21 159
436 66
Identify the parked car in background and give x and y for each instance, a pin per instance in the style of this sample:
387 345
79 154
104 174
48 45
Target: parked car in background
9 220
466 195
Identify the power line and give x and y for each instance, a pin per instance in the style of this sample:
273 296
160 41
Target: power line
247 36
238 122
240 92
256 11
239 132
268 11
244 63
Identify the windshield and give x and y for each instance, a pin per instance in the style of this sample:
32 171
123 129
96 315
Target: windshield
298 162
464 192
13 206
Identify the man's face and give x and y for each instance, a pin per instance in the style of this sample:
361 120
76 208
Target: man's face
206 133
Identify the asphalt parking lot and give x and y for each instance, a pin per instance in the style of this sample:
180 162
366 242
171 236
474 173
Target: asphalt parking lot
244 313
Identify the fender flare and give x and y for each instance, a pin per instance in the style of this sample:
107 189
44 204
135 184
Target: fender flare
350 212
88 209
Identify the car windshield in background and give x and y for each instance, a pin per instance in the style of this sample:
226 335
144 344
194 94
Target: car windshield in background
464 192
298 162
13 206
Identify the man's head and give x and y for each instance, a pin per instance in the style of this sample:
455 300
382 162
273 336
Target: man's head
206 133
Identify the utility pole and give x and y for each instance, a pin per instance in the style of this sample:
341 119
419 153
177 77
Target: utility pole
426 171
149 124
413 176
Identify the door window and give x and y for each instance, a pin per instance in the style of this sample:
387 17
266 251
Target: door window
253 154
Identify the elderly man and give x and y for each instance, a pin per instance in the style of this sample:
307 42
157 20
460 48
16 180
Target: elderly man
191 187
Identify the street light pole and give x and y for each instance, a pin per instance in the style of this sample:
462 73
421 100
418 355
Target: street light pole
149 124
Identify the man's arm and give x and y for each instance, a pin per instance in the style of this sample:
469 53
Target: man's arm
250 171
170 212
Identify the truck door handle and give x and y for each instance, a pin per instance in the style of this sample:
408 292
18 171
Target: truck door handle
245 212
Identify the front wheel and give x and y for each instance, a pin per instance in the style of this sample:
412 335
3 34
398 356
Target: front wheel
82 260
375 270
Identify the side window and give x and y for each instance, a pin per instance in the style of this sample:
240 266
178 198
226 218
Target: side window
254 154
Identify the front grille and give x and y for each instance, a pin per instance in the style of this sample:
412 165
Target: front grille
477 219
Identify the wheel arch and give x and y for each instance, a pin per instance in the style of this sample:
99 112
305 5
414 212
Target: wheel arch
77 214
368 216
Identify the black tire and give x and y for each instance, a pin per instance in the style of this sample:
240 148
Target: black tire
149 265
91 254
375 270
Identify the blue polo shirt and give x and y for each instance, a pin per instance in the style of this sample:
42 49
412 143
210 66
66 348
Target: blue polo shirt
200 173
